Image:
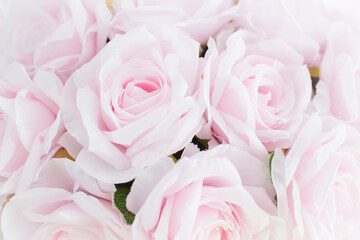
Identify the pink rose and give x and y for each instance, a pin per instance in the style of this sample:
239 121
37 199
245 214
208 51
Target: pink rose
54 213
58 35
255 89
318 182
310 18
65 203
342 11
273 19
200 19
134 103
338 91
30 124
66 174
223 193
305 21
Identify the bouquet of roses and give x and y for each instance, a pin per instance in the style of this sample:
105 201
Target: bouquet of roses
187 119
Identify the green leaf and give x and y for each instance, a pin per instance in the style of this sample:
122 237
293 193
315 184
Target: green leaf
122 191
174 158
203 144
269 163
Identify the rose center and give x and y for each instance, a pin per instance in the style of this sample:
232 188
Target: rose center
264 96
137 91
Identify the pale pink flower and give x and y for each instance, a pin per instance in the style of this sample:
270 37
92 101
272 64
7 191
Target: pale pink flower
66 174
65 203
318 182
134 103
341 11
255 90
302 22
200 19
338 91
30 124
310 18
223 193
273 19
57 35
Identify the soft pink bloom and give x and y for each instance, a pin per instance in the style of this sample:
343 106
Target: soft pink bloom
200 19
310 18
302 22
134 103
341 11
273 19
338 91
223 193
66 174
54 213
318 182
335 26
30 124
65 203
315 17
255 89
58 35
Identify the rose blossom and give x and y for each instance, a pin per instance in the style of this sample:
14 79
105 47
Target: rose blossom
273 19
255 89
318 182
302 22
65 203
200 19
134 103
334 25
29 124
338 91
66 174
315 17
342 11
54 213
223 193
58 35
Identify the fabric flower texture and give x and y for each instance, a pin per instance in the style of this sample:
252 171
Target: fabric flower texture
223 193
255 89
200 19
318 182
301 27
136 95
338 91
30 125
56 35
76 207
